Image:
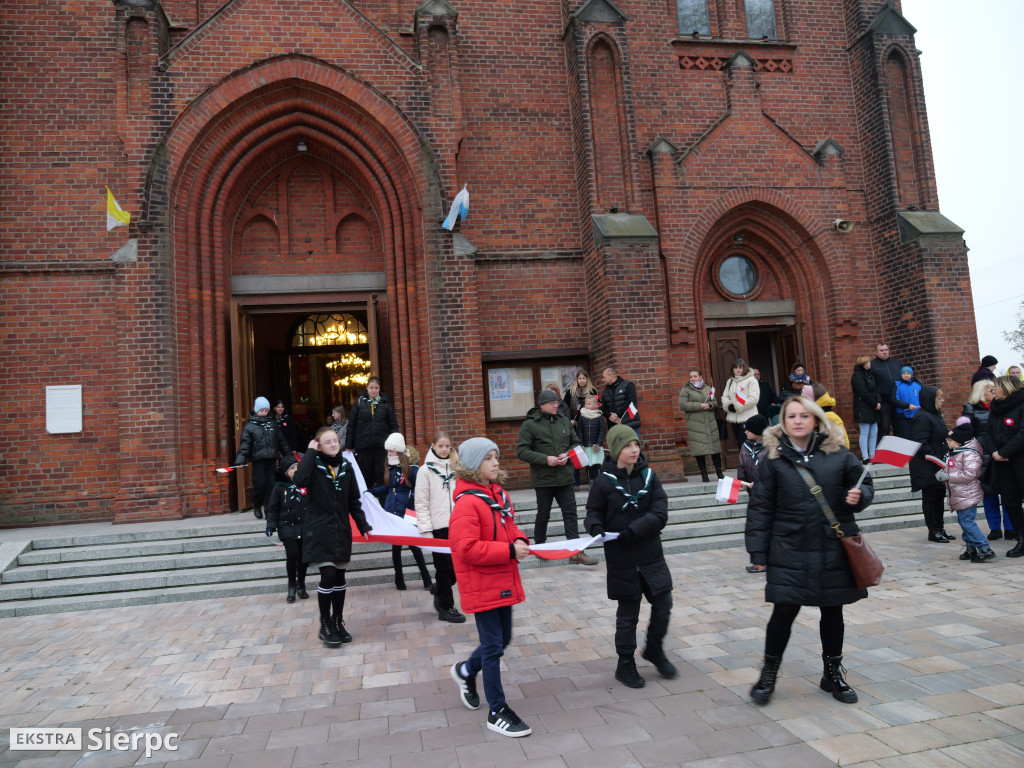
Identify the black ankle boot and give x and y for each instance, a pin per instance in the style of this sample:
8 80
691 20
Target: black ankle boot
399 580
626 673
704 476
291 593
1018 549
832 680
427 583
656 655
968 553
765 686
949 536
983 555
301 591
936 535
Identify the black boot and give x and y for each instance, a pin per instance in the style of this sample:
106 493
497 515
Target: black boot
626 673
983 555
339 629
300 590
832 680
702 465
657 657
399 580
258 511
1018 549
936 535
716 459
949 536
968 553
765 686
328 633
995 534
291 592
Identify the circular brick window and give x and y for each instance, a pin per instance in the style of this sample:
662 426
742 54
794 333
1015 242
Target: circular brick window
738 275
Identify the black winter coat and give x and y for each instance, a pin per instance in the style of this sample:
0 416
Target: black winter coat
370 430
643 556
865 396
291 433
616 399
787 530
287 508
591 431
928 429
767 399
261 440
326 530
979 416
886 373
1006 426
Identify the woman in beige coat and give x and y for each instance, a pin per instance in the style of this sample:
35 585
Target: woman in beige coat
697 401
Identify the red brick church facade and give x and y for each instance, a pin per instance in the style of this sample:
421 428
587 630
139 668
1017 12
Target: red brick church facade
284 160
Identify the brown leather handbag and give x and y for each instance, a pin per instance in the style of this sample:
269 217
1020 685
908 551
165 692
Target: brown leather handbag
864 563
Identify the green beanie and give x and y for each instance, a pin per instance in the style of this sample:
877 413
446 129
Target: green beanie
619 437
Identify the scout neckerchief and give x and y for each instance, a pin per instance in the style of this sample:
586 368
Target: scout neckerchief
632 499
505 508
446 480
295 493
374 402
331 473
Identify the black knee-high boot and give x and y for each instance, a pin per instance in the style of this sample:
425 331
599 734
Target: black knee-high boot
396 562
716 459
421 563
702 465
338 603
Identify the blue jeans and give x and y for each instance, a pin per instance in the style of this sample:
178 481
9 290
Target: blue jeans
992 513
495 630
868 439
969 525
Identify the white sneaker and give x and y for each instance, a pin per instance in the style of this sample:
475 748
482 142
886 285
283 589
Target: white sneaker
508 723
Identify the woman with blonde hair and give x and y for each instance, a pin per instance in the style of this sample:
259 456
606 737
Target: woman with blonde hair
978 409
1008 439
867 406
787 530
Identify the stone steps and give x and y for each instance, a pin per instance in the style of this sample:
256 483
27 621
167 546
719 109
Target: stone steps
231 556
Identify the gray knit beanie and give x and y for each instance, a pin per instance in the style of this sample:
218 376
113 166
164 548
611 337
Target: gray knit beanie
473 452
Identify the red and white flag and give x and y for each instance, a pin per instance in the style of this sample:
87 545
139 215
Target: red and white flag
937 461
895 451
728 490
578 457
632 411
741 395
232 468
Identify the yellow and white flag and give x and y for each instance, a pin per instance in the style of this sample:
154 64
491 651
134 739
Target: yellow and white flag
116 215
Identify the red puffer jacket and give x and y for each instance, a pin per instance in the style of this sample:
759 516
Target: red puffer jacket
481 540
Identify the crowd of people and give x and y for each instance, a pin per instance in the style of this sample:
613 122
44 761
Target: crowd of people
794 459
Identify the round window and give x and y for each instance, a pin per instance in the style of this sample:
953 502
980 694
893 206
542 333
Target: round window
738 275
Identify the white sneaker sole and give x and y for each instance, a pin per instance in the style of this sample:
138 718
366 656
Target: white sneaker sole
512 734
462 695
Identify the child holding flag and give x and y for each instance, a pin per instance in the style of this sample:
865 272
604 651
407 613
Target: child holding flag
962 477
591 430
627 498
487 546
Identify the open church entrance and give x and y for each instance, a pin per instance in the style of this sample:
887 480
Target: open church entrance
313 358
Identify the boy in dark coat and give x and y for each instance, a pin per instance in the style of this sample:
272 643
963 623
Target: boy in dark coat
285 511
333 493
627 498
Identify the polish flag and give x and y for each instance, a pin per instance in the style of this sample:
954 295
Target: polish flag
895 451
578 457
728 490
632 411
937 461
741 395
559 550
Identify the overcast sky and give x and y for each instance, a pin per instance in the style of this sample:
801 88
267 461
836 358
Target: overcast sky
976 116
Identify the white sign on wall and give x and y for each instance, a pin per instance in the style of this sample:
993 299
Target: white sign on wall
64 409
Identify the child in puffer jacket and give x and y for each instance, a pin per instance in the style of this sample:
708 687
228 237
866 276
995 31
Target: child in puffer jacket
397 495
962 477
285 511
591 429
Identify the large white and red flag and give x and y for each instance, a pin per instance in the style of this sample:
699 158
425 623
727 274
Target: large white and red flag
578 457
895 451
728 490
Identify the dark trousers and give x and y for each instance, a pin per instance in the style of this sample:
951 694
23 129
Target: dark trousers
495 630
996 521
262 481
702 464
738 433
933 506
885 417
1010 478
566 499
372 462
444 574
417 554
293 564
900 426
627 616
830 628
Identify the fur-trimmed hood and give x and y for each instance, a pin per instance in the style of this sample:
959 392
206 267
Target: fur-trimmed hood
825 440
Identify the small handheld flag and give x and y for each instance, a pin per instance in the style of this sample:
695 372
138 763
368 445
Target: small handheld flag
116 215
895 451
632 411
741 395
225 470
728 490
936 461
460 207
578 457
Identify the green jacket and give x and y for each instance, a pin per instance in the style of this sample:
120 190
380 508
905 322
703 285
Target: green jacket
701 425
542 436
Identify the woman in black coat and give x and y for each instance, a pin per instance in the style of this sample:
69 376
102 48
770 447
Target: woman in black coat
370 420
867 406
1007 429
627 498
333 496
928 429
788 531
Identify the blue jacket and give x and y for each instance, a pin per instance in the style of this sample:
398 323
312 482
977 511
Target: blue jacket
396 495
908 392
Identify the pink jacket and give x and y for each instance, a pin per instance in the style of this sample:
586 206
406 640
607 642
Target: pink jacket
964 470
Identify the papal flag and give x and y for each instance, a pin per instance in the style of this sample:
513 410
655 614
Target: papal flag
460 207
116 215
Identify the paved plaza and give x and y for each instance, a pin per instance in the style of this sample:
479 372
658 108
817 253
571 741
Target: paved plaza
936 655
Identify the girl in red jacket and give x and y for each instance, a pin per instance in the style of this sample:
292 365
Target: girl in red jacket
486 549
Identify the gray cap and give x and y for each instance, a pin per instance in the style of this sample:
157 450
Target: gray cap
473 452
547 396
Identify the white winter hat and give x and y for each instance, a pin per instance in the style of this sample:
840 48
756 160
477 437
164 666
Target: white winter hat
395 442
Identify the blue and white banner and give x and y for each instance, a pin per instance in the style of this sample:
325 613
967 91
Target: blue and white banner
460 207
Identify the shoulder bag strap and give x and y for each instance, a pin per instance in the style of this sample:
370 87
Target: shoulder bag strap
820 498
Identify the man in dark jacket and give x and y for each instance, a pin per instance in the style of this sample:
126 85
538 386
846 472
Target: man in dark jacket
628 499
768 402
545 439
886 370
618 395
987 370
